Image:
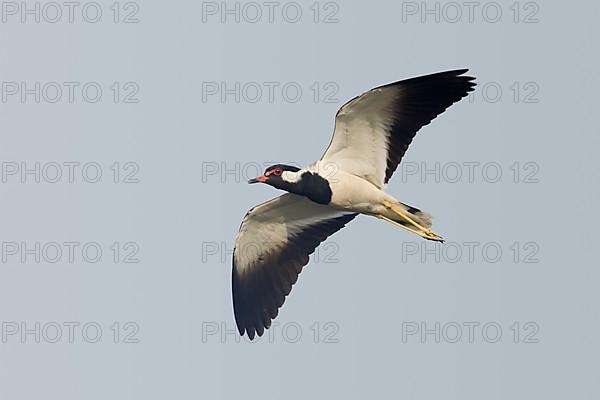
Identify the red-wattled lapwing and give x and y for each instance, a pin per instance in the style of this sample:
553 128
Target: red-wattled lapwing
372 132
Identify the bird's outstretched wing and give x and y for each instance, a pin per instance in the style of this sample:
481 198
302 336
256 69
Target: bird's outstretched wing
273 245
373 131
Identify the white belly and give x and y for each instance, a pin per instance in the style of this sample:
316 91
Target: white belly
352 193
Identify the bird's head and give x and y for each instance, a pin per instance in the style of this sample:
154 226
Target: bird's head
298 181
280 176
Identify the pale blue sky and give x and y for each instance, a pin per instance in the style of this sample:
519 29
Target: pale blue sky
372 282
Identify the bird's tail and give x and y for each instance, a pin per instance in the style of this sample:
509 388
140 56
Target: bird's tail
420 217
411 219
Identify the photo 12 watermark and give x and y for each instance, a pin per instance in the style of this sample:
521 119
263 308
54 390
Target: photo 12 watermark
57 172
21 252
527 92
468 172
470 12
221 252
279 332
69 332
69 92
470 332
69 12
270 12
470 252
269 92
239 172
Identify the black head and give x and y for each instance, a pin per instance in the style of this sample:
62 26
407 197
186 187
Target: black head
308 184
272 175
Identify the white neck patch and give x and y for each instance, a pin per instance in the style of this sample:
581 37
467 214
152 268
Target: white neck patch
292 177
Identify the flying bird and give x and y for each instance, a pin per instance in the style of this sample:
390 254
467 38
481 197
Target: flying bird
372 132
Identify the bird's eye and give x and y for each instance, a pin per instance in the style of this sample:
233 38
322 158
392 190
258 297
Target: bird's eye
277 171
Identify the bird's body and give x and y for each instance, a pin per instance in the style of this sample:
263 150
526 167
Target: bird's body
372 133
351 193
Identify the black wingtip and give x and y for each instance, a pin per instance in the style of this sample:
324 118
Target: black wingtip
459 73
445 76
241 329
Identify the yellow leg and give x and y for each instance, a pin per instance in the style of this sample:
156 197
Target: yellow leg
406 217
427 235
